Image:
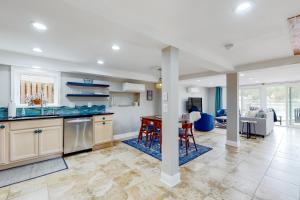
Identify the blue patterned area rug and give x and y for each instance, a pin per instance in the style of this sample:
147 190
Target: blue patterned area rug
155 152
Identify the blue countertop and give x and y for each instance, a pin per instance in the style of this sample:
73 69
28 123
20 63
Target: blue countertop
54 112
38 117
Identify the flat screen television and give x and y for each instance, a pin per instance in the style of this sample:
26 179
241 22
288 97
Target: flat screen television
193 102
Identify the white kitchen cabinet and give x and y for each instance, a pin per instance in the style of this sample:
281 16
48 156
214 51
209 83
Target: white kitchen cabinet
35 139
51 140
103 131
4 139
23 144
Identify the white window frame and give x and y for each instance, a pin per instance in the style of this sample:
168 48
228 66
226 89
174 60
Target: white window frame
250 87
16 74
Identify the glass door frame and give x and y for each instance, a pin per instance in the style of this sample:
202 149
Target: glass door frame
289 104
263 98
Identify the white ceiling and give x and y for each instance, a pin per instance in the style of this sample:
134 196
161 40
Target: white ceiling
83 31
281 74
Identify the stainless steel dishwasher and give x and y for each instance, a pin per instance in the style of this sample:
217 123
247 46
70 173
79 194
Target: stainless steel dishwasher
78 134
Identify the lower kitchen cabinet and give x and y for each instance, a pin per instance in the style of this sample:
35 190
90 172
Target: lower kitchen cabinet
4 140
51 140
103 132
23 144
26 143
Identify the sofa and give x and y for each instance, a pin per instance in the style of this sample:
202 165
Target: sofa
205 123
264 122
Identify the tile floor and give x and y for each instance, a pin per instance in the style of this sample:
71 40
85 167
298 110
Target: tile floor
261 169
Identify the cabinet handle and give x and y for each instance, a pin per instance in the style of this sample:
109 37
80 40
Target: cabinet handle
35 131
103 118
40 131
2 127
103 123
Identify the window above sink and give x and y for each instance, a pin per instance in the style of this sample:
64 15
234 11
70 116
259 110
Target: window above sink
29 87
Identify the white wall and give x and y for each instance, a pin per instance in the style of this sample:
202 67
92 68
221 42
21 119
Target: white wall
211 99
4 85
184 95
126 119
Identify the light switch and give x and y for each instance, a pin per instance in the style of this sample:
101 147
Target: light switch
165 107
165 96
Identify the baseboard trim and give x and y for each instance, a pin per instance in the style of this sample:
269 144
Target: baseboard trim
169 180
124 136
233 143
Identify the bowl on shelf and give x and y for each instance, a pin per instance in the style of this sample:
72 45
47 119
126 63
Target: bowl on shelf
88 81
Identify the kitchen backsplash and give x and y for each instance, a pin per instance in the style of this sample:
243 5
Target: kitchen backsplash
62 110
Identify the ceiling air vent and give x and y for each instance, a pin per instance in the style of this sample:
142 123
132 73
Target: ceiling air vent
294 25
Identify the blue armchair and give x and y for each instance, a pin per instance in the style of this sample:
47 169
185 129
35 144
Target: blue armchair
206 123
220 113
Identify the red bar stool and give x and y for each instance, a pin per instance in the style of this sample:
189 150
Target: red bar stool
185 134
156 134
146 128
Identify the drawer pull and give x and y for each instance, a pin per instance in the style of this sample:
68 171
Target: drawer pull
38 131
103 118
2 127
103 123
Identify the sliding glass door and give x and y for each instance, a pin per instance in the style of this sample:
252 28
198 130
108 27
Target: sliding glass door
294 105
284 99
277 100
250 98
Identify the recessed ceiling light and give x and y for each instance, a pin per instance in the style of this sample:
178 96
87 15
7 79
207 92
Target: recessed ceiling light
256 81
115 47
244 7
39 26
199 80
251 78
100 62
35 67
38 50
242 75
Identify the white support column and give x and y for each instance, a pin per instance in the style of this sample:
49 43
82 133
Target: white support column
233 138
170 174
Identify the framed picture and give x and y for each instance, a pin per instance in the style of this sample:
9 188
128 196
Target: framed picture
149 95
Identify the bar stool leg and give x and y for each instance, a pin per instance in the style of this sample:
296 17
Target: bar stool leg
194 139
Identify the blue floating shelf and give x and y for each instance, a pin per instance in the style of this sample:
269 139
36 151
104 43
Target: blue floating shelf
86 84
87 95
